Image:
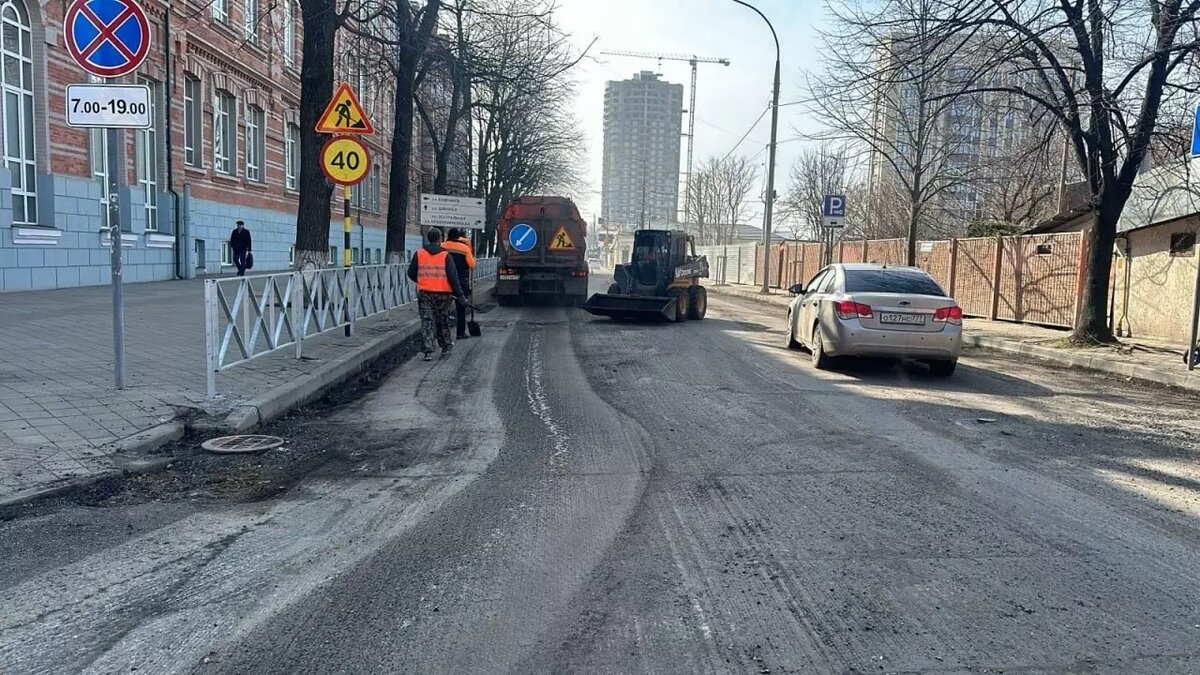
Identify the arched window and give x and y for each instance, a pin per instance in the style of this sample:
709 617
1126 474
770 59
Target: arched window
16 80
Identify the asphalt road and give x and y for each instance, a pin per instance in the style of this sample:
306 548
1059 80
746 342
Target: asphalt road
570 494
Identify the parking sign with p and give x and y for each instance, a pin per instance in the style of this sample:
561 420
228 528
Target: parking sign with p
833 210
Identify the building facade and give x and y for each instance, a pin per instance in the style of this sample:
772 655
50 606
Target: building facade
643 126
225 90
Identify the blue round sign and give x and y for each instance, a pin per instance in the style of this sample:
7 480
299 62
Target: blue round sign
522 237
108 38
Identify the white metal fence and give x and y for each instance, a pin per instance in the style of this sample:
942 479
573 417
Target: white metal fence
730 264
249 317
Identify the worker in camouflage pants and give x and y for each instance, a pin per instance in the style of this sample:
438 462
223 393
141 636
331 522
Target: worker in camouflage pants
438 289
434 309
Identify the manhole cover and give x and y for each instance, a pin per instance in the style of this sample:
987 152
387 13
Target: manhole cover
239 444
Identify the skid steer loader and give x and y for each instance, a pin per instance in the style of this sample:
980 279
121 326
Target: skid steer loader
661 280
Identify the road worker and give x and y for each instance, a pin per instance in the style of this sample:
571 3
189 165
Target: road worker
437 287
459 247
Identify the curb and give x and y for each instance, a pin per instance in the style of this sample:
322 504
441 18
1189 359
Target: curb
752 296
281 400
1092 362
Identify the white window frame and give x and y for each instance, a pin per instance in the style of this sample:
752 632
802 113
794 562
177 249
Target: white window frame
250 21
193 121
224 133
333 253
220 10
19 151
255 143
291 156
292 254
226 254
147 158
289 33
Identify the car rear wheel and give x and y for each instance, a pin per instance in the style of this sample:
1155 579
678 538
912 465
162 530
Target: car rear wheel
820 360
790 338
942 368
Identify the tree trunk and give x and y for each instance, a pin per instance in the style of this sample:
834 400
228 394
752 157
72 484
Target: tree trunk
914 217
316 87
1091 324
414 39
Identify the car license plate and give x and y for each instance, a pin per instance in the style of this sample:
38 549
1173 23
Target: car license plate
510 277
904 319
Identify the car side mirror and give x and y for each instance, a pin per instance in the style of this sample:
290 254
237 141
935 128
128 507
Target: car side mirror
796 289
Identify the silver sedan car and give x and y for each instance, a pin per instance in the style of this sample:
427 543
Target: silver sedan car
875 310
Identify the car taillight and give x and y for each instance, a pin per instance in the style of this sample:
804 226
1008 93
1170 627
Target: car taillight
848 309
949 315
579 273
504 270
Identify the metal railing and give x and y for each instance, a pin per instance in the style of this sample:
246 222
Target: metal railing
249 317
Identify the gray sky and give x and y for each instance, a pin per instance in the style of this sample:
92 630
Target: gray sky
729 98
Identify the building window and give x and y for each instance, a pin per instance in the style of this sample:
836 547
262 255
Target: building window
376 173
147 158
292 255
16 79
255 143
354 257
224 138
226 254
332 256
250 21
98 155
289 32
291 156
220 10
191 121
1183 244
378 256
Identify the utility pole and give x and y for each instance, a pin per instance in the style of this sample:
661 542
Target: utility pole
770 204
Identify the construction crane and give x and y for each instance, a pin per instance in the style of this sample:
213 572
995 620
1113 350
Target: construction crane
691 135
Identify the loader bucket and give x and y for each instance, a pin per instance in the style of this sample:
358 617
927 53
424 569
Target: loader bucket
631 306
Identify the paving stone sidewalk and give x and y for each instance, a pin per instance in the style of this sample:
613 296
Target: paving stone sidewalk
61 416
1146 359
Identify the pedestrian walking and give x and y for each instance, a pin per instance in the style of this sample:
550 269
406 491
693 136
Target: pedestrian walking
437 287
241 245
459 246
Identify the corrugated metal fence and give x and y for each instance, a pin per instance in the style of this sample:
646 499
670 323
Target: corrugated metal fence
730 264
1031 278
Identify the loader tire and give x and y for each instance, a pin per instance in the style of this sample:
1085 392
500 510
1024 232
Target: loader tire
681 305
614 289
506 300
697 303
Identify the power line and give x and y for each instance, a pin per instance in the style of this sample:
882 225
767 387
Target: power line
748 132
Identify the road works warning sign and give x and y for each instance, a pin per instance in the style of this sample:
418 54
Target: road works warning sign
561 241
344 114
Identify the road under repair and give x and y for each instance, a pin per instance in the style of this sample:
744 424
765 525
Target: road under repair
572 494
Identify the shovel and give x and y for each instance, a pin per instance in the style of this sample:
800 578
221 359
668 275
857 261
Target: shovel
473 326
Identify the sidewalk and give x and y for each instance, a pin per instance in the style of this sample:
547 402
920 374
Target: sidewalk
1148 360
61 418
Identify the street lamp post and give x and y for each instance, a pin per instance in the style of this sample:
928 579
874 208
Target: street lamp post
770 205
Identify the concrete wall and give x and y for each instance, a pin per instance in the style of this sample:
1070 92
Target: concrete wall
1159 299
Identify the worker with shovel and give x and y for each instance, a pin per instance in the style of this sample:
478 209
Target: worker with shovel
459 246
437 287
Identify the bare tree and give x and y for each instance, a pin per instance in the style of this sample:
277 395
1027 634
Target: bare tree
1104 70
321 22
815 173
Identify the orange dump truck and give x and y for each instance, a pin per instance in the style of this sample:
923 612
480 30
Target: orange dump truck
543 252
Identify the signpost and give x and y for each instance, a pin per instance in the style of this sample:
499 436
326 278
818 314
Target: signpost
451 211
346 161
833 215
1196 132
109 38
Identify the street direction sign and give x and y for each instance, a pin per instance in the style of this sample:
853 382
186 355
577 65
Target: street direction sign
561 241
109 106
344 114
107 38
451 211
833 210
345 160
522 237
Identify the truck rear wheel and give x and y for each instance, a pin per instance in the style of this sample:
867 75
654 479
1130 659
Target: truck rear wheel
506 300
698 302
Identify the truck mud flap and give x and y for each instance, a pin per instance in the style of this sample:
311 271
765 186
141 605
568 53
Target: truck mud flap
631 307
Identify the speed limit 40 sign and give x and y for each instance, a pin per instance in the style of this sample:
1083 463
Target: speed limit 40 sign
345 160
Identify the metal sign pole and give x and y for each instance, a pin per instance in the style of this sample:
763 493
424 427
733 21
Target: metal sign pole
113 145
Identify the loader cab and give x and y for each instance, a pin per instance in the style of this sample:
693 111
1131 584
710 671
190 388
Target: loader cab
656 253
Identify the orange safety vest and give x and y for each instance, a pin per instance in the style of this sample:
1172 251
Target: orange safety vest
431 272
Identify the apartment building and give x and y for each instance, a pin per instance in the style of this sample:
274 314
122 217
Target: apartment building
643 118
